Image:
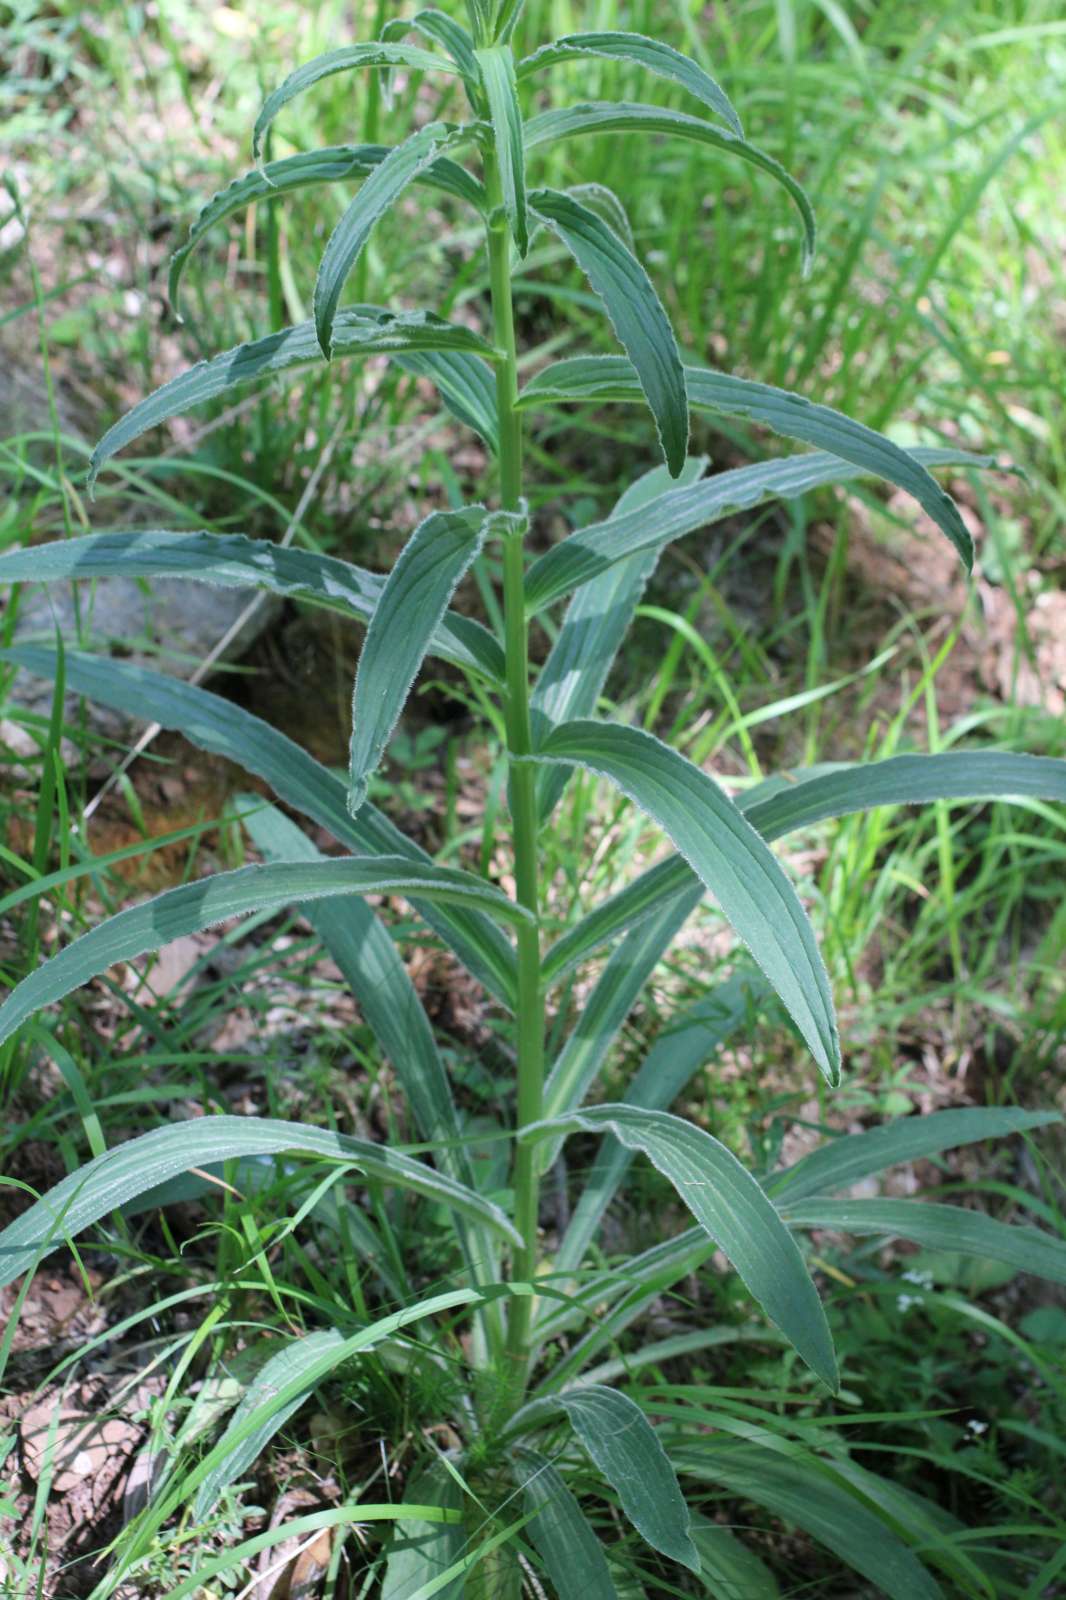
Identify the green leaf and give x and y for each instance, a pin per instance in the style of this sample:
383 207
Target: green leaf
366 953
335 164
689 1040
938 1228
127 1170
375 55
608 117
728 1569
597 620
842 1162
406 619
729 857
420 1552
374 198
600 379
730 1206
450 35
357 331
802 1489
225 729
651 54
466 384
231 560
624 1446
497 76
572 1554
275 1374
177 912
635 311
805 797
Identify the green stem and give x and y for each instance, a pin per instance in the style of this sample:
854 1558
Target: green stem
522 789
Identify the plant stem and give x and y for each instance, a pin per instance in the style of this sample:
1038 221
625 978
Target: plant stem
522 789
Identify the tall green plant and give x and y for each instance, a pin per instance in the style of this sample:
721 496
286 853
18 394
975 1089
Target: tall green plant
536 1399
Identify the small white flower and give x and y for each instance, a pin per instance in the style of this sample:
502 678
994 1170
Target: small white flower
977 1427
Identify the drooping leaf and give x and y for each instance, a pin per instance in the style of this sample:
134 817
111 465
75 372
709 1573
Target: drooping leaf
377 195
597 620
624 1446
730 858
842 1162
334 164
193 906
936 1227
803 1490
496 65
127 1170
225 729
419 1552
635 311
230 559
408 615
610 378
731 1207
450 35
357 331
728 1569
612 117
466 384
652 54
805 797
376 55
295 1357
572 1554
690 1039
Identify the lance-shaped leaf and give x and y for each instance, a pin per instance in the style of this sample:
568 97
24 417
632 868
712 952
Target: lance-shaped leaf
610 117
691 1039
600 379
375 197
651 54
419 1552
501 91
217 725
334 164
801 799
729 857
572 1554
406 618
635 311
450 35
802 1489
624 1446
231 560
731 1207
842 1162
730 1571
193 906
128 1170
357 331
466 384
597 620
377 56
296 1356
936 1227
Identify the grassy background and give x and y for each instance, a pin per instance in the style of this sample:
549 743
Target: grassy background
931 142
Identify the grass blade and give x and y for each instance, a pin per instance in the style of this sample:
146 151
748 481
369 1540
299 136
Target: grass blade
652 54
733 1210
635 311
730 858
